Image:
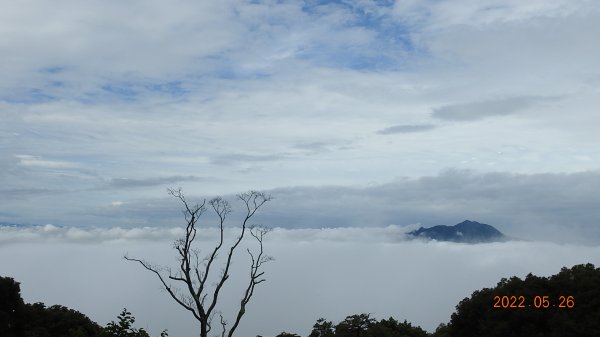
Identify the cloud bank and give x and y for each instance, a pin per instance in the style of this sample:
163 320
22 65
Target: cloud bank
551 207
556 207
328 273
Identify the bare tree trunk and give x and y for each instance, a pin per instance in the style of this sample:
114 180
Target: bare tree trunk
203 331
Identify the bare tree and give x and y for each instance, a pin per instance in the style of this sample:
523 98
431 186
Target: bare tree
193 272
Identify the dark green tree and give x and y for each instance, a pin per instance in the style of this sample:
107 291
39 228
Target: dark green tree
441 331
476 316
11 308
57 320
124 327
322 328
354 326
287 334
392 328
19 319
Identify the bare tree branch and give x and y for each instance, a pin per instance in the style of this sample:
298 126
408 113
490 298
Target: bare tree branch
193 273
255 274
167 287
223 325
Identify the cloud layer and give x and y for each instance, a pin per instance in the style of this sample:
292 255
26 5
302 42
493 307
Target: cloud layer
485 109
559 208
553 207
317 273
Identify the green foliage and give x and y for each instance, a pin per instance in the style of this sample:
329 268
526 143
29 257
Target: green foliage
124 327
441 331
354 326
11 307
322 328
287 334
393 328
475 316
18 319
362 325
56 320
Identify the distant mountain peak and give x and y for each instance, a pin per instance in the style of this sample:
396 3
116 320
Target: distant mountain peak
467 231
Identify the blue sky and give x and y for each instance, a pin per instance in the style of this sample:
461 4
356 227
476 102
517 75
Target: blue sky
104 105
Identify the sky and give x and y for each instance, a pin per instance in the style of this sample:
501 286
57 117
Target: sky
351 114
105 105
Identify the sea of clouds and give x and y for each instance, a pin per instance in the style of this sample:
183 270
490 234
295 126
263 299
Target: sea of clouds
331 273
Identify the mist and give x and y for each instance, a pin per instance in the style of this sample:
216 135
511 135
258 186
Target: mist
330 273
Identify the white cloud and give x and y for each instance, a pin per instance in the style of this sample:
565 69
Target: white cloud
115 37
27 160
74 235
317 273
59 234
485 109
441 14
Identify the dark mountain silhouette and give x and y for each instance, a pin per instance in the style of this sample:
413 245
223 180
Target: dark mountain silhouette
466 231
